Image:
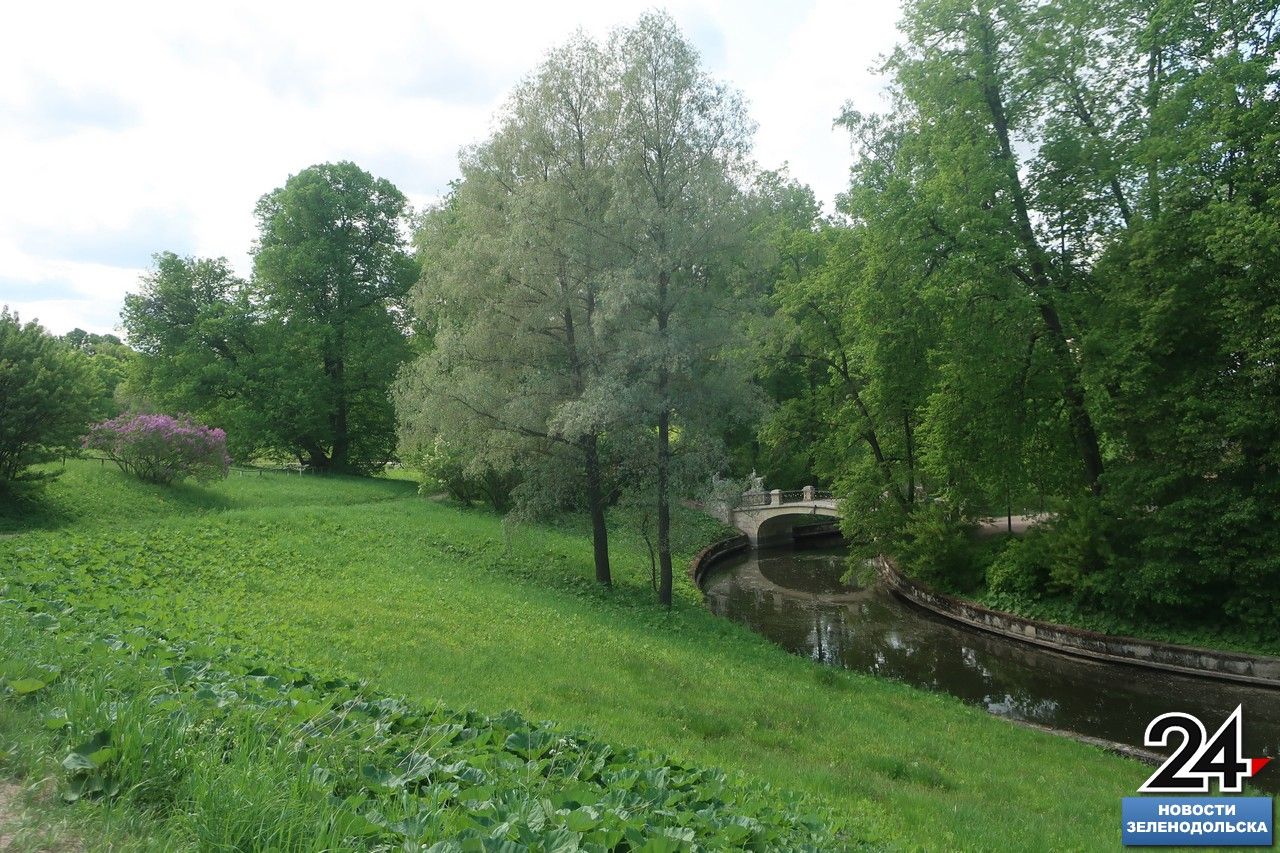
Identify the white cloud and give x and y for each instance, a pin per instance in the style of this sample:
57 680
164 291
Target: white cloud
132 128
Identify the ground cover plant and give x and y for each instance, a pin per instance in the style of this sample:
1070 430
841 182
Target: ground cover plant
365 580
233 754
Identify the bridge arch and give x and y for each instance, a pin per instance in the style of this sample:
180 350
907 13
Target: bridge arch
780 529
769 518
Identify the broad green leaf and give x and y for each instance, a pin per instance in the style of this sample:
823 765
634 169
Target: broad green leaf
23 686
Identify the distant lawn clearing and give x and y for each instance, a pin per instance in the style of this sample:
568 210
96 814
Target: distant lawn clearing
364 578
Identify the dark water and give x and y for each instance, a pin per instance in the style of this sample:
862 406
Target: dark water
795 598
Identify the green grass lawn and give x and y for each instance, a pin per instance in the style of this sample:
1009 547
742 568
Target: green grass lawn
366 579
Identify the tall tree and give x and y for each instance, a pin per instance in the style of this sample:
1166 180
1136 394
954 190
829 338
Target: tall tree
513 270
581 275
787 223
683 145
957 88
331 271
300 359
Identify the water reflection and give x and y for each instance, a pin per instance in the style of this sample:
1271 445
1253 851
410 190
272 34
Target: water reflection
796 598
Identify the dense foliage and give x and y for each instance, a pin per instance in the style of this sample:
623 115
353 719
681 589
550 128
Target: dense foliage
298 360
48 395
332 272
161 448
1053 287
111 360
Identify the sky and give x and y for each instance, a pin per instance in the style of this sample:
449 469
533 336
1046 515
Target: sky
133 128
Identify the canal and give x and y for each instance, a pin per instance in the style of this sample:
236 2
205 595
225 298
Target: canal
795 597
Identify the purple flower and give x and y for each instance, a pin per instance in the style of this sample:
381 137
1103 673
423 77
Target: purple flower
161 448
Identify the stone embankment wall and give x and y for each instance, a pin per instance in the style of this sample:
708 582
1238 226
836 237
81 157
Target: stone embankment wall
714 552
1230 666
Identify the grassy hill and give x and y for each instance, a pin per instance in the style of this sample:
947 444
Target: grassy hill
364 581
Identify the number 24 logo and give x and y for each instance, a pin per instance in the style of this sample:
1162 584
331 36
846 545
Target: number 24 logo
1199 758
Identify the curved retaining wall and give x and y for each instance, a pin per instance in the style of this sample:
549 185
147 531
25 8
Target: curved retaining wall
1231 666
714 552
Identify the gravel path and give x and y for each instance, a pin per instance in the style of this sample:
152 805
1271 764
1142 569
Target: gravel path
8 820
19 832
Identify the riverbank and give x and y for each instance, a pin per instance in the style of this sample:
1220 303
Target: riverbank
1246 665
990 539
801 599
1065 612
438 604
1211 663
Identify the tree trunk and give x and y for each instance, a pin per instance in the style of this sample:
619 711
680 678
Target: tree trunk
664 451
1086 118
1082 427
911 457
1154 73
341 437
595 503
590 444
317 460
664 504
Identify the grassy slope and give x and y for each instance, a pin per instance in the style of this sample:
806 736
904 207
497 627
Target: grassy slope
364 578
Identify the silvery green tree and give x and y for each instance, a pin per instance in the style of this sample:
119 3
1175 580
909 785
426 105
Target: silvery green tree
580 280
678 210
514 265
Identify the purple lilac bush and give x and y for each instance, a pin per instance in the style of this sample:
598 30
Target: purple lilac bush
161 448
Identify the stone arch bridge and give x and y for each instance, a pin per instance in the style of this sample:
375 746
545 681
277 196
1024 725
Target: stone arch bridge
770 517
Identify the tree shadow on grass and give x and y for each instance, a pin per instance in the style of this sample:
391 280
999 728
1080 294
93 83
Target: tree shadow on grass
27 505
45 505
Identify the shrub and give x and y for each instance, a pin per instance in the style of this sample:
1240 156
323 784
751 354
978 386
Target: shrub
47 394
464 478
162 449
1021 568
937 546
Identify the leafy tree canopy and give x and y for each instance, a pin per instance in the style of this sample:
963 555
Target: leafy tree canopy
48 395
299 359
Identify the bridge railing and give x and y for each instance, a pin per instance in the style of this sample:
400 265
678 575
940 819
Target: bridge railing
777 497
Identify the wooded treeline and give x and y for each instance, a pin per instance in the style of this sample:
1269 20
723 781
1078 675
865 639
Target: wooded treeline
1056 286
1051 285
298 359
